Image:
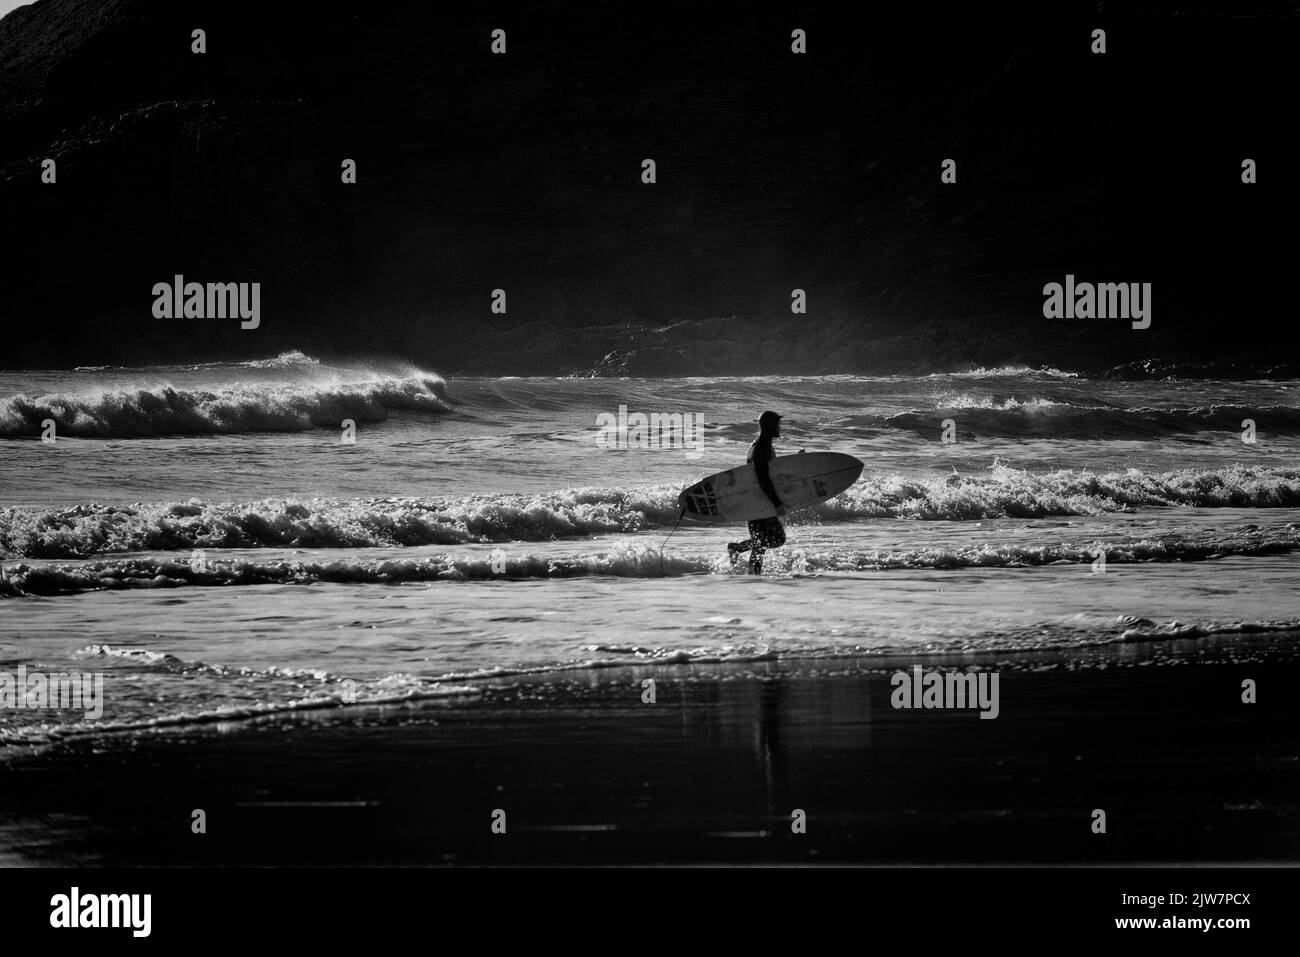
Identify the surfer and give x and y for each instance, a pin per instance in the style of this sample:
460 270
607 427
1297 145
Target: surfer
764 533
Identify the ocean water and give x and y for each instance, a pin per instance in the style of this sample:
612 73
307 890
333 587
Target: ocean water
204 538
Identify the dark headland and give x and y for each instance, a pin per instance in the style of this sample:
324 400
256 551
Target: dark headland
776 172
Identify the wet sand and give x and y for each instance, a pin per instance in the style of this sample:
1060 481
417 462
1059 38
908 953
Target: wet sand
712 772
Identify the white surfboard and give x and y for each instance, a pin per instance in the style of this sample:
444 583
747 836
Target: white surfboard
800 480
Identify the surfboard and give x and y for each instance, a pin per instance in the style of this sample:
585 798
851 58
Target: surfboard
800 480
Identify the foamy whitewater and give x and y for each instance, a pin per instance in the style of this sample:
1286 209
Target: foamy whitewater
203 537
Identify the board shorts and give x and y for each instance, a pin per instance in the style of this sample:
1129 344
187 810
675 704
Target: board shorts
767 532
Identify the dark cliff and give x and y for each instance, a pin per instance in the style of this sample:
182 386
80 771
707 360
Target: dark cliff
521 171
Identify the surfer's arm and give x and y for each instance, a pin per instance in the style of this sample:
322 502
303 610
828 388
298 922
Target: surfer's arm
765 480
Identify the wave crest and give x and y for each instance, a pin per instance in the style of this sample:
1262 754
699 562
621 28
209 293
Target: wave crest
1046 417
1003 492
628 560
238 407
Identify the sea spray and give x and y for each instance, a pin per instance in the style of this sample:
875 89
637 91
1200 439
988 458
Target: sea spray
94 529
228 409
631 559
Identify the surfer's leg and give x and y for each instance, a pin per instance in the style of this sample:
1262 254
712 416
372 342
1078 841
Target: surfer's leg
769 533
736 549
762 535
754 543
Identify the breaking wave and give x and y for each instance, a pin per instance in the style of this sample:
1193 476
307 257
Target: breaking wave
629 560
92 529
1043 417
231 408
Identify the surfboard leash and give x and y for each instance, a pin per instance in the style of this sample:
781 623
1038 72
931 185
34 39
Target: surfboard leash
680 516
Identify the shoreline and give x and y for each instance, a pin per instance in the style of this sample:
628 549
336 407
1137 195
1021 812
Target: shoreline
712 772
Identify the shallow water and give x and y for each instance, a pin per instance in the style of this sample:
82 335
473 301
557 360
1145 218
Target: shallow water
476 527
